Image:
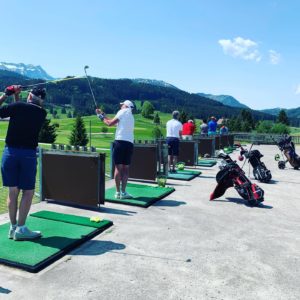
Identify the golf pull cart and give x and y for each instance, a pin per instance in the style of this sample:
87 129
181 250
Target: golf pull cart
287 148
260 171
231 175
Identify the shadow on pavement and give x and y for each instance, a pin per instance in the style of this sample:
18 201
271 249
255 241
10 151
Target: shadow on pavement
169 203
244 202
94 247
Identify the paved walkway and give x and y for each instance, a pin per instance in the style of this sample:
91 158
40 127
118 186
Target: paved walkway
183 247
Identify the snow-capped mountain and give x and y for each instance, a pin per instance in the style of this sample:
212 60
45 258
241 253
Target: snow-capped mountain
31 71
154 82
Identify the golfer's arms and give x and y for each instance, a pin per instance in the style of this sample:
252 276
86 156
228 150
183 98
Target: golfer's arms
110 122
2 98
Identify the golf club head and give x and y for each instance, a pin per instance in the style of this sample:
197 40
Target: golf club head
86 67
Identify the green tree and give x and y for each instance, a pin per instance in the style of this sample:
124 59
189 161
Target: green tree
280 128
283 118
69 115
147 109
264 126
156 132
63 110
183 117
48 132
78 135
156 119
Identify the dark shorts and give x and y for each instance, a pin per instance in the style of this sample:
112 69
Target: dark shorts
173 146
122 152
18 168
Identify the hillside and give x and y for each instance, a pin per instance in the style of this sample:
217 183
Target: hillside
291 113
109 93
225 99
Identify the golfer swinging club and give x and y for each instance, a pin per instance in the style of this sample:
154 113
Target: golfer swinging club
122 146
19 156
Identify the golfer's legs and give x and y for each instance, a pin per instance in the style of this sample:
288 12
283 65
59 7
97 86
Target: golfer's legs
12 204
25 204
118 176
125 175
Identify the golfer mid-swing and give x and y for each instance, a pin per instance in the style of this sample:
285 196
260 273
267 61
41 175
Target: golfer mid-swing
19 159
122 146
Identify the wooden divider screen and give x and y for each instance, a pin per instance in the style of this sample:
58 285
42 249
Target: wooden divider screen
73 178
206 145
188 152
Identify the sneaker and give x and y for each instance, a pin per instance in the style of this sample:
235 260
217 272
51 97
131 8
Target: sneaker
26 234
125 195
11 232
117 195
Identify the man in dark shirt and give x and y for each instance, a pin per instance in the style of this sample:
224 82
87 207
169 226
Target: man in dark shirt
19 160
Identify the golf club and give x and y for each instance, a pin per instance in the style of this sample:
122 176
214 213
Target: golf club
86 67
51 81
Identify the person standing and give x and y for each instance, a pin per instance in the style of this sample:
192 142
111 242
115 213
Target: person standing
212 126
223 130
174 132
19 159
188 130
122 146
204 128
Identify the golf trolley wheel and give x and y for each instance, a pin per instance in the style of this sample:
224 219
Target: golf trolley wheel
281 165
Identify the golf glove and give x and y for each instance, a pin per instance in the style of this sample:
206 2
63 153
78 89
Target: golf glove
10 90
101 116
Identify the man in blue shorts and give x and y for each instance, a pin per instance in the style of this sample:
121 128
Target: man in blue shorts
19 159
174 131
122 146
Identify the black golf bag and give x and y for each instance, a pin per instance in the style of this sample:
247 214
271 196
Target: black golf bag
287 147
260 171
231 175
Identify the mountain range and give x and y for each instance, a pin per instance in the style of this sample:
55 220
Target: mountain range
164 96
30 71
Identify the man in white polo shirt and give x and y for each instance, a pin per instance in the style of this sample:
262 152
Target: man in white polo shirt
122 146
174 131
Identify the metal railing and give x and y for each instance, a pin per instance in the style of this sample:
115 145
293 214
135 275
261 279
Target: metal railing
262 138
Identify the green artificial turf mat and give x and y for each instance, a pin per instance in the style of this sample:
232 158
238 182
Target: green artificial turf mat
184 174
57 239
206 162
66 218
143 195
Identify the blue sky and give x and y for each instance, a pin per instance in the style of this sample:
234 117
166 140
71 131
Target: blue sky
247 49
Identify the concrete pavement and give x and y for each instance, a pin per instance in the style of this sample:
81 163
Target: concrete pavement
182 247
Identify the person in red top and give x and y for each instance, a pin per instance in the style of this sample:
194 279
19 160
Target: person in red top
188 130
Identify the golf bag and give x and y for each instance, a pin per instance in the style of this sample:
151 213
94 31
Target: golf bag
260 171
287 147
231 175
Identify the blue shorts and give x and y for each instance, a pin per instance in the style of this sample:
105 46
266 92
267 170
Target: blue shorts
18 168
173 146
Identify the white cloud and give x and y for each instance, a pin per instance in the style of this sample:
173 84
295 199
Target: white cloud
241 48
274 57
297 92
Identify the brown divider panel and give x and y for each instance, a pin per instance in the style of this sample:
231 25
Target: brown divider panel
217 142
144 162
206 146
73 178
231 139
224 141
187 153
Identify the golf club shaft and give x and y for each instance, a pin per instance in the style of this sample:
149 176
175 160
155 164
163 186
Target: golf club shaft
90 88
51 81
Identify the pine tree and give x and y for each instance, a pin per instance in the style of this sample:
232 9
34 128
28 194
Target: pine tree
183 118
156 119
147 109
78 135
283 118
48 132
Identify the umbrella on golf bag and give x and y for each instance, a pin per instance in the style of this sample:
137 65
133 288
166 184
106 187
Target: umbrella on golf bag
260 171
287 147
231 175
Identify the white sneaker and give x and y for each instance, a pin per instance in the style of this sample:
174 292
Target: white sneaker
117 195
125 195
24 233
11 232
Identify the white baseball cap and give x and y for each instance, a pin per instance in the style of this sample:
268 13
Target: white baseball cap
128 103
